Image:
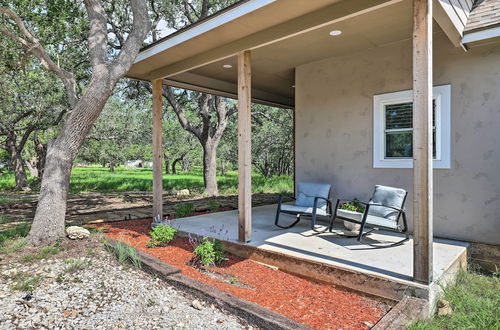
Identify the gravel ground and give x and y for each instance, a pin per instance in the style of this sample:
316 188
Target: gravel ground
96 292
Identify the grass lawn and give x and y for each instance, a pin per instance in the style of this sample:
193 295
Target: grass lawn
99 179
475 300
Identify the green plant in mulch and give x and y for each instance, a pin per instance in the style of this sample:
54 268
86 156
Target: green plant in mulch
475 302
214 205
354 206
161 235
183 210
124 253
210 252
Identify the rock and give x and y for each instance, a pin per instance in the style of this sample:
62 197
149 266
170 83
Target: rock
75 232
182 192
444 307
197 304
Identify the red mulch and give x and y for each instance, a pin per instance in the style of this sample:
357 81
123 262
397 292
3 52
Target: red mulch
317 305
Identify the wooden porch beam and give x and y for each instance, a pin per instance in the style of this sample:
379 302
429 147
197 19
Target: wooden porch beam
422 141
157 149
244 147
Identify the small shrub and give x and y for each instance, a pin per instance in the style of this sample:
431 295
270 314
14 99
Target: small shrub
21 230
44 253
161 235
183 210
124 253
4 219
73 265
60 278
213 205
210 252
24 282
13 245
50 250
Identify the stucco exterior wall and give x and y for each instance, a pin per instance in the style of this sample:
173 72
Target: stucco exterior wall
334 131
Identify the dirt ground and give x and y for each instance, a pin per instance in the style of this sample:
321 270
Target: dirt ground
99 207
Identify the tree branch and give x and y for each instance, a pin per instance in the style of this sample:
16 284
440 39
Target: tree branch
169 94
33 46
140 28
98 36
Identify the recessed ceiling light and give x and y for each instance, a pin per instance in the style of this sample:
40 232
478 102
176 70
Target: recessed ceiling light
335 33
227 66
293 86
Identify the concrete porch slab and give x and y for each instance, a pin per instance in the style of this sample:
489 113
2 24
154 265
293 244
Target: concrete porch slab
340 260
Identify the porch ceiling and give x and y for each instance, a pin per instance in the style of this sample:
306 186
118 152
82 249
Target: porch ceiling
274 63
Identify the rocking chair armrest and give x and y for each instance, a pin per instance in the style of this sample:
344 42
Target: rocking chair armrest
390 207
348 200
315 204
323 198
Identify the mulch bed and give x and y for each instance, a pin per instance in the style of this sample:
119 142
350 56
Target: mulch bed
317 305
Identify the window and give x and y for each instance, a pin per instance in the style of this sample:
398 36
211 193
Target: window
393 129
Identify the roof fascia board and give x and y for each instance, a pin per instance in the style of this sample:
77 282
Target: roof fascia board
445 21
334 13
482 35
198 81
206 26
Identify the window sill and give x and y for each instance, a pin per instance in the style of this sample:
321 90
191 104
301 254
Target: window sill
437 164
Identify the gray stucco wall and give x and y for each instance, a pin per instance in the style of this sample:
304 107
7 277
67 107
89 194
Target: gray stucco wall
334 131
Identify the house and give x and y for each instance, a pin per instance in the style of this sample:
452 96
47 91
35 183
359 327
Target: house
367 80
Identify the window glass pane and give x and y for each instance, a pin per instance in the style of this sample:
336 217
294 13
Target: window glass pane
399 144
398 115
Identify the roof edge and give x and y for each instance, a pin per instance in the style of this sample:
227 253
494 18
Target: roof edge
211 22
481 35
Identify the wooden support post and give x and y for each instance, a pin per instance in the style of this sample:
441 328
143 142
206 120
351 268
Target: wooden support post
422 141
157 149
244 147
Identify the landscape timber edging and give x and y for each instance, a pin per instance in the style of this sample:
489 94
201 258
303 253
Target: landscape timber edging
249 311
403 314
375 285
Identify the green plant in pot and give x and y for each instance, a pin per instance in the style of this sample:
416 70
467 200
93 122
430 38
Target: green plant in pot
352 207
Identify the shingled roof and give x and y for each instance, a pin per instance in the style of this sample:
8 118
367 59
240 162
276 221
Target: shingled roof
484 14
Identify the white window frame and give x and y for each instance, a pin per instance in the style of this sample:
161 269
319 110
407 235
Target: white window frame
442 98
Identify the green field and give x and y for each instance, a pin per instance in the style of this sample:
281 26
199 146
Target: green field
99 179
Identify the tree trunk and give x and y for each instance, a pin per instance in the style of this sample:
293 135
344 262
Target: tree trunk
48 224
167 163
31 165
210 169
174 164
41 153
17 165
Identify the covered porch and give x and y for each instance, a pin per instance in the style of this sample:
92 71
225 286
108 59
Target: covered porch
256 51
